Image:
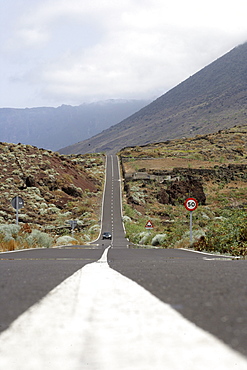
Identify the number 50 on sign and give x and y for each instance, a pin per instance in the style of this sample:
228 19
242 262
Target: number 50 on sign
191 204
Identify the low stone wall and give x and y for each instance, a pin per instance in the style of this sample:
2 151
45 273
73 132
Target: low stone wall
223 173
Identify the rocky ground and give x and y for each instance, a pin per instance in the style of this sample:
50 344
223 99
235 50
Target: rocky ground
159 177
55 188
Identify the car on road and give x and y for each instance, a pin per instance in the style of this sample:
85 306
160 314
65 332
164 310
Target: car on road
106 235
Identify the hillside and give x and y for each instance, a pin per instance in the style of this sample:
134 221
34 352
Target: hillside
214 98
53 128
157 178
212 168
55 189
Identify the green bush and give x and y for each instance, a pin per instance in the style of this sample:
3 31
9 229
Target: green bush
129 211
9 231
144 237
226 235
39 239
158 239
66 240
133 231
126 219
16 237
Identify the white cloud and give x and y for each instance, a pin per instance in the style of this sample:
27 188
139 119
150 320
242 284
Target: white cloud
69 52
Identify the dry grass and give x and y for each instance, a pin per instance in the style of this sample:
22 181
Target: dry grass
167 164
225 187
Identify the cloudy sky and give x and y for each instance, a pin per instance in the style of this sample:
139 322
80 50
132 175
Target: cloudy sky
55 52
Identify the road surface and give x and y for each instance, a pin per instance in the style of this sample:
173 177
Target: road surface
111 306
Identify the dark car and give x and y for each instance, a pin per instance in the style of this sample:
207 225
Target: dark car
106 235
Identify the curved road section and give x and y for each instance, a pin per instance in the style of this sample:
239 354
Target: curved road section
114 307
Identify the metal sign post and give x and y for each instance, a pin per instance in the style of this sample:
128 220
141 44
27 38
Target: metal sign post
73 224
191 235
191 204
17 203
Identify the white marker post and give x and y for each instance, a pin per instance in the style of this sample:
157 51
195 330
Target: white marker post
191 204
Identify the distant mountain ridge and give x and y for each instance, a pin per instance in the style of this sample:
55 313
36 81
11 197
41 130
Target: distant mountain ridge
214 98
53 128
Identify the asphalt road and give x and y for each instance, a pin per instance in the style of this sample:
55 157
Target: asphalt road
112 211
208 291
212 293
27 276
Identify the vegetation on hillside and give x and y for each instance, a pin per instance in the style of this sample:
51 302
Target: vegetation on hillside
154 188
157 180
55 189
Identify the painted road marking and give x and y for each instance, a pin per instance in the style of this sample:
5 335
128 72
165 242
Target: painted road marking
98 319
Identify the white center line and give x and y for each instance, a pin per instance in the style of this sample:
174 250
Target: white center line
99 320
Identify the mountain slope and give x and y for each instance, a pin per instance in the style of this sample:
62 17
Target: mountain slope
212 99
52 128
55 188
211 168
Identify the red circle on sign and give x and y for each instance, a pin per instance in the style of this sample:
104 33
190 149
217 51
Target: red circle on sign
191 204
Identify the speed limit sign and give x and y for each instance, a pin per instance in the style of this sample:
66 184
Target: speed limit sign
191 204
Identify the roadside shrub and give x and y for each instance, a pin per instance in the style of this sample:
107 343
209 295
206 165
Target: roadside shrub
94 229
11 245
130 212
158 239
137 195
228 235
133 231
15 237
66 240
39 239
144 236
141 237
126 219
184 242
9 231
